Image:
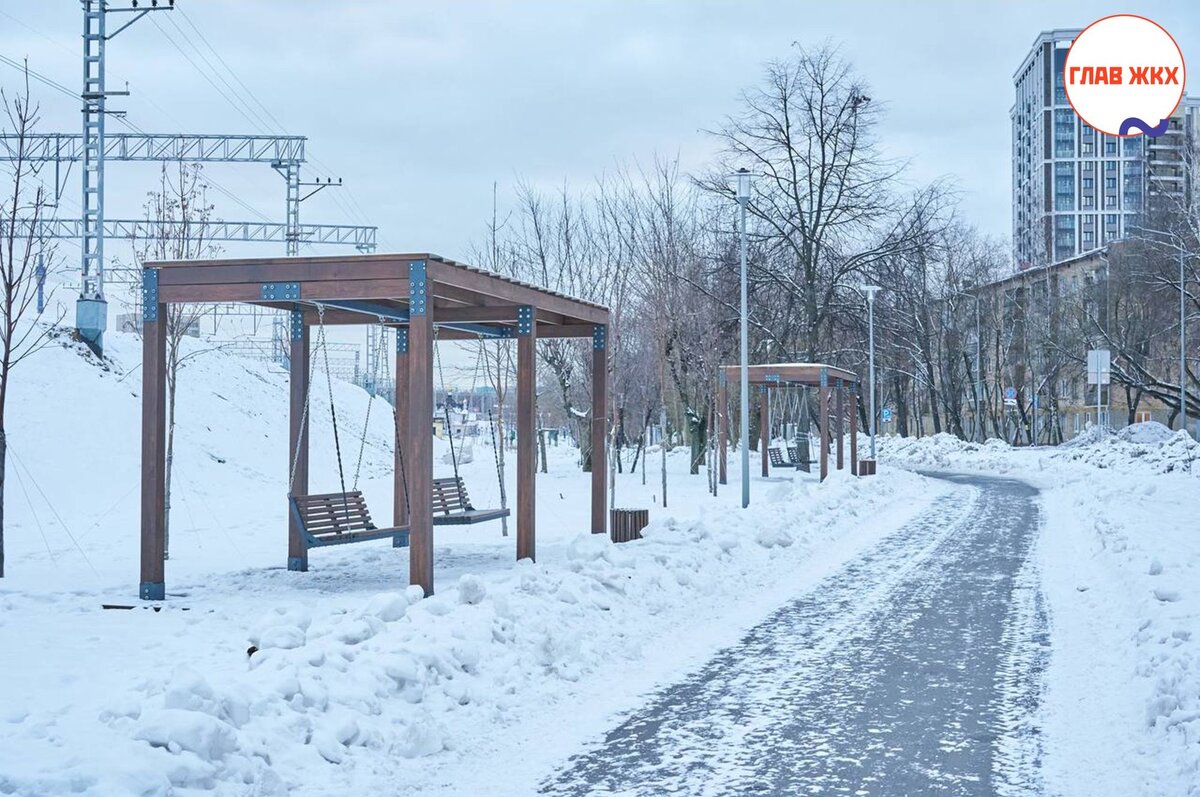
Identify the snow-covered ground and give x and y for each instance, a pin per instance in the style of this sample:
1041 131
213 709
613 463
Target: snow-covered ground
358 686
1120 567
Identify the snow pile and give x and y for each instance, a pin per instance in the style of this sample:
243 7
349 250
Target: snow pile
1122 558
1141 448
1144 447
945 452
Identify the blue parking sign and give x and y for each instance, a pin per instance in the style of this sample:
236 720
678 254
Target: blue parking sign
886 414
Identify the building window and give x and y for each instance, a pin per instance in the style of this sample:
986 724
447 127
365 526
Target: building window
1088 147
1064 133
1110 201
1088 236
1110 147
1110 182
1110 219
1110 166
1087 183
1087 201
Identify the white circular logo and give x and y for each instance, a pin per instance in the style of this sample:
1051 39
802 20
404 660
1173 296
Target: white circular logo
1124 75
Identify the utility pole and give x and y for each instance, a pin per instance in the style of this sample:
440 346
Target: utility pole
91 309
290 170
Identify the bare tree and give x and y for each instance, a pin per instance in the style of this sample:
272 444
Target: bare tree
177 212
25 257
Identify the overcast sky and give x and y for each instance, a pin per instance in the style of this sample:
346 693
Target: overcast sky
421 106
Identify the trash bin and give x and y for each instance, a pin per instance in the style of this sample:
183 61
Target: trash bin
627 524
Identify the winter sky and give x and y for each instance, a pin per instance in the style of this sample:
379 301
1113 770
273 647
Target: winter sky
421 106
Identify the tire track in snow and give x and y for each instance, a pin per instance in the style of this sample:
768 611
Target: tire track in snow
906 673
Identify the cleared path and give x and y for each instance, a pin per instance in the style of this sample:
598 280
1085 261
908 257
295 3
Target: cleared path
913 671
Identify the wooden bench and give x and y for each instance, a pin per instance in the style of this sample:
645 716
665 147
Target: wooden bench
452 506
339 518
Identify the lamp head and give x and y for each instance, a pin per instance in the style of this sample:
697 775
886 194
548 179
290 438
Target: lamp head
743 185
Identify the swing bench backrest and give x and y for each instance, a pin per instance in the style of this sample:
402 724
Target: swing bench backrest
452 505
338 518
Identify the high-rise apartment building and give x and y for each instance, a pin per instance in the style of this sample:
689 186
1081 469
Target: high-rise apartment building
1076 189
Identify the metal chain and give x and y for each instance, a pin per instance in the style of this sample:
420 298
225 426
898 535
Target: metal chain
307 400
337 444
381 352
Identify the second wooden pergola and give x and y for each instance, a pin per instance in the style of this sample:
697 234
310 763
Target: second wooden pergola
833 386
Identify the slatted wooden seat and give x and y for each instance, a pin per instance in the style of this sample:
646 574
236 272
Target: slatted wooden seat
797 462
339 518
452 506
777 460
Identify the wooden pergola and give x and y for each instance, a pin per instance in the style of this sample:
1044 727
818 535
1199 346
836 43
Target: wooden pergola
413 293
832 384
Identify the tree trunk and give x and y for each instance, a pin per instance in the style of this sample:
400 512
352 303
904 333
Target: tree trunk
698 436
3 466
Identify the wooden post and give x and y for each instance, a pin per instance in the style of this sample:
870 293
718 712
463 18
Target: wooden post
722 427
527 434
764 428
418 452
839 423
154 440
400 488
854 428
299 373
600 428
823 424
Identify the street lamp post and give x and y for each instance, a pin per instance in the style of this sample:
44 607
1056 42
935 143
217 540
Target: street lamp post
870 291
1182 347
743 199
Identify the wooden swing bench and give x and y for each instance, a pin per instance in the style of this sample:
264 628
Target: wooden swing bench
452 507
777 460
339 518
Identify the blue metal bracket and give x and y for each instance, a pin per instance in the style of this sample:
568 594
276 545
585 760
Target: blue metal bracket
297 323
840 384
599 337
152 591
824 377
402 340
418 288
369 308
771 378
279 291
524 321
150 294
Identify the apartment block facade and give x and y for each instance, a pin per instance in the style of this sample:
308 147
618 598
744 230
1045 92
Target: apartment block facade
1076 189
